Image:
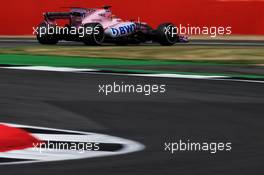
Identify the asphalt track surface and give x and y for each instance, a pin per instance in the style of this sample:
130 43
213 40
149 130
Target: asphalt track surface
199 110
14 42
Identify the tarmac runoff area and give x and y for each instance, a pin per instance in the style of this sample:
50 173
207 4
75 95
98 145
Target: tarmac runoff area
52 99
191 110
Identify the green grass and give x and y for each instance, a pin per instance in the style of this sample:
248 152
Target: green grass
69 61
81 62
197 54
73 61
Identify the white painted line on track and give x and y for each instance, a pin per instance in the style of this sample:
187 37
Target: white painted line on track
165 75
49 68
241 80
78 70
181 76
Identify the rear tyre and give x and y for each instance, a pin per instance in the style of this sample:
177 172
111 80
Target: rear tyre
45 34
93 34
166 34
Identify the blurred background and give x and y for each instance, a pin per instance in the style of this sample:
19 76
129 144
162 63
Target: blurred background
246 17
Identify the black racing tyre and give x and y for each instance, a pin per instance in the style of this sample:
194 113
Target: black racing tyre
45 37
166 34
93 34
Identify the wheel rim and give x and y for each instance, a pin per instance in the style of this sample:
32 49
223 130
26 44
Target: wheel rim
98 38
171 36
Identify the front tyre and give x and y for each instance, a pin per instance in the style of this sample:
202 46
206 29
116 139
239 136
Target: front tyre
46 34
93 34
166 34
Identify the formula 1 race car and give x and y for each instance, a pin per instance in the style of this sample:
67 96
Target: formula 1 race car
97 26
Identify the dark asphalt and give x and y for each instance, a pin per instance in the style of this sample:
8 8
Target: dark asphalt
199 110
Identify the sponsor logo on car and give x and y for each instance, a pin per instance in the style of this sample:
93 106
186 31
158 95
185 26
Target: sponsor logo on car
123 30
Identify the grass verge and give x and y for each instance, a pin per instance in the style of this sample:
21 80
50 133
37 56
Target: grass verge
209 54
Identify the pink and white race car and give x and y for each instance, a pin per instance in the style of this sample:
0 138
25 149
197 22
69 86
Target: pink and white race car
97 26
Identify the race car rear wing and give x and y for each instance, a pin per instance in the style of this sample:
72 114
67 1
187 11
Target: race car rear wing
57 15
75 11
